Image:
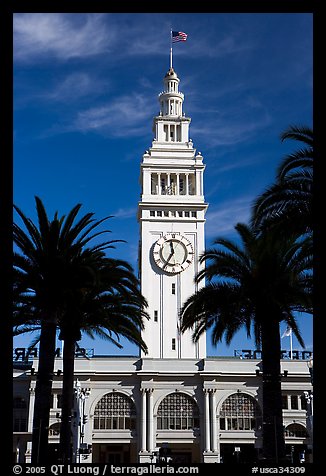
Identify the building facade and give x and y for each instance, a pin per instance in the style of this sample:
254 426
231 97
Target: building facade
174 403
199 410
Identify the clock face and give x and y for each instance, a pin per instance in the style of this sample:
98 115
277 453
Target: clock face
173 253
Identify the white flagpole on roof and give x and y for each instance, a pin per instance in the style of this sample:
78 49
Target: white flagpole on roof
171 49
288 333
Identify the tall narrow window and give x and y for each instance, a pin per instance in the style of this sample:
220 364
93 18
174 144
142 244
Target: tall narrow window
294 402
59 400
303 402
191 186
155 315
173 288
163 188
153 185
173 344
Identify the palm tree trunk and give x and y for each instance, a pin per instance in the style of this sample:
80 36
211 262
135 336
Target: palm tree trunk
43 393
273 432
67 398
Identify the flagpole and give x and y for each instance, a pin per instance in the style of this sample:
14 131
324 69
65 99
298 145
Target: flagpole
171 49
288 333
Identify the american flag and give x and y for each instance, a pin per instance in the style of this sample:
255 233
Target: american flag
178 36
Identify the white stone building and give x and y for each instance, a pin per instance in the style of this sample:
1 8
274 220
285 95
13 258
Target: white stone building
175 401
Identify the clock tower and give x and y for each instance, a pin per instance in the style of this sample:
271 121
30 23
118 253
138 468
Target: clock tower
171 214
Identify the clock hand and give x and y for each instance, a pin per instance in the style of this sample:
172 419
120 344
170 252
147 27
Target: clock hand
168 259
178 244
171 254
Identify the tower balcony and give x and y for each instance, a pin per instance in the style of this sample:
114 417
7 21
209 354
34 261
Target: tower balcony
171 94
172 199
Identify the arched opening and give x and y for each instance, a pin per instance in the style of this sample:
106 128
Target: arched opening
239 412
178 417
295 430
177 411
115 420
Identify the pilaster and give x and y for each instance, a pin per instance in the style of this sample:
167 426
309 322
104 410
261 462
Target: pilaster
212 448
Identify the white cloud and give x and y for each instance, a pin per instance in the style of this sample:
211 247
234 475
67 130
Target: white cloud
64 36
221 219
73 87
126 115
230 128
125 213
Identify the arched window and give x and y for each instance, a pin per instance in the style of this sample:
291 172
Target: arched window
54 430
295 430
240 412
177 412
115 411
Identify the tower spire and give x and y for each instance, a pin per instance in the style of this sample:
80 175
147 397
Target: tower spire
171 216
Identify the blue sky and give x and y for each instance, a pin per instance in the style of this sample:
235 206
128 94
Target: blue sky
85 94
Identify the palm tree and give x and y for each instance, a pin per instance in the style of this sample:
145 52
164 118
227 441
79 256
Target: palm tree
44 275
109 305
288 202
254 285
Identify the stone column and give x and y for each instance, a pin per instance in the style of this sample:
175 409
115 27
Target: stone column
187 184
159 183
207 425
197 182
150 420
213 421
289 401
143 421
